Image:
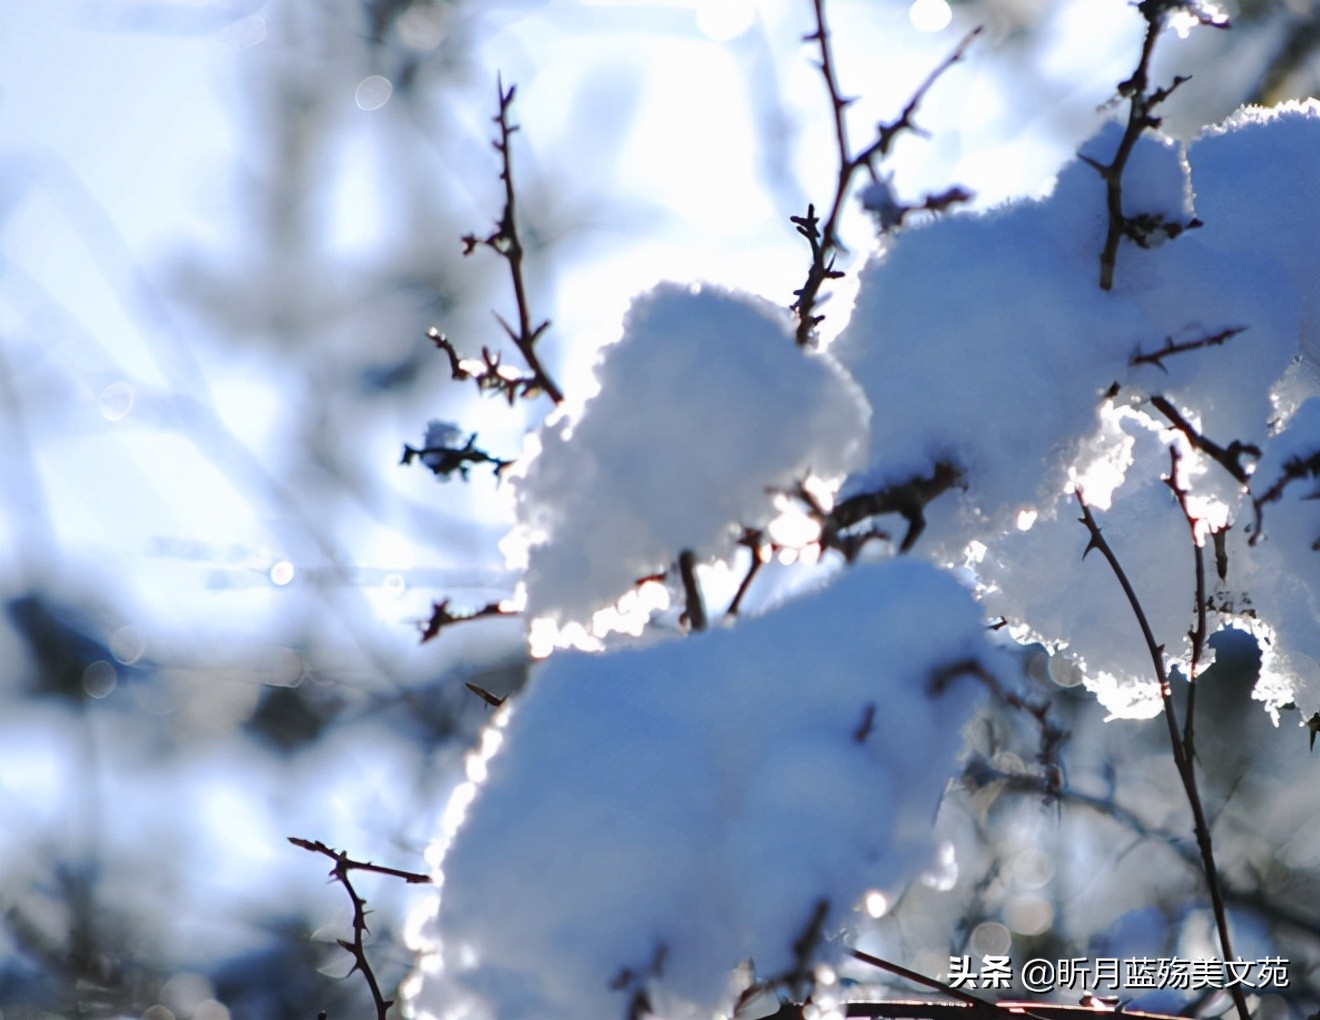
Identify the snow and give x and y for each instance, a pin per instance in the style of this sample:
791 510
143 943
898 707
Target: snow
691 802
1008 389
705 408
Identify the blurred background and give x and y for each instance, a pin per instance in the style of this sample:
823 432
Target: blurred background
225 228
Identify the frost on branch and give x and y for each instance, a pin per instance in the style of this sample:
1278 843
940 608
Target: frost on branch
705 404
654 817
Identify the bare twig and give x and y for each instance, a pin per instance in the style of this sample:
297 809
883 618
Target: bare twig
1141 229
357 947
824 241
1294 469
493 700
1196 635
489 372
752 539
316 846
442 616
1230 458
1156 358
504 241
696 605
907 499
886 134
1182 759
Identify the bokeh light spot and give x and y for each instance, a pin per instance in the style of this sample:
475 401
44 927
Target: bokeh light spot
116 401
990 938
373 92
930 15
725 20
127 644
100 679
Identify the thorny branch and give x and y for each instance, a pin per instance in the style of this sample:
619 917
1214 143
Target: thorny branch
442 616
1183 756
908 499
1230 458
824 241
505 242
489 372
357 947
1294 469
1144 228
1156 358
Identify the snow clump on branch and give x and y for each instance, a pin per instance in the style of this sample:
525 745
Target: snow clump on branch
655 816
705 404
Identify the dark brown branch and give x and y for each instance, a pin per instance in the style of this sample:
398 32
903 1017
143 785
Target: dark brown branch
934 203
1229 459
1156 358
1197 634
824 241
356 948
505 242
752 540
1294 469
1140 229
1181 759
442 617
887 134
316 846
494 701
696 606
490 374
907 499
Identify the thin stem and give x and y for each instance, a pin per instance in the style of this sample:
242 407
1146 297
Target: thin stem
1197 634
506 242
696 605
824 240
1181 756
357 947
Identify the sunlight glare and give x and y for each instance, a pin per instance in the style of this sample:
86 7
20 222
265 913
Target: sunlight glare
930 15
942 875
724 20
876 904
793 527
